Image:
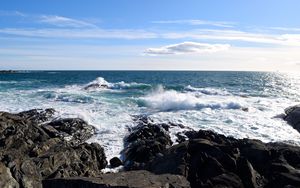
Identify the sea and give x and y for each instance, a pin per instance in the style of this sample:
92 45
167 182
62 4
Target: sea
237 104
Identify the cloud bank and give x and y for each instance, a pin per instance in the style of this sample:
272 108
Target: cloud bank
187 48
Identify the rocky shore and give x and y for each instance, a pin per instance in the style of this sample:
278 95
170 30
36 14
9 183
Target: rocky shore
38 150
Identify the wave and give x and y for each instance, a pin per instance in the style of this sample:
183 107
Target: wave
172 100
101 83
65 97
207 91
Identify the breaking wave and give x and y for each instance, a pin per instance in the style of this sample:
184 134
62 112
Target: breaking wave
101 83
171 100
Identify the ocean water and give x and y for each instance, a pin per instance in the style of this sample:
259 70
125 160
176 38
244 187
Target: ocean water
238 104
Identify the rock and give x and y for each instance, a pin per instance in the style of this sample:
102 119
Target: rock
208 159
37 115
115 162
74 130
131 179
6 179
293 116
250 177
33 149
95 85
146 141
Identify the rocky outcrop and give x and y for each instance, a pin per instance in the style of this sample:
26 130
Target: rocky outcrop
208 159
74 130
33 148
96 86
146 141
6 179
38 150
292 116
130 179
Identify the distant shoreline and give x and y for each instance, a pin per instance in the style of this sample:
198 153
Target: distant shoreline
8 71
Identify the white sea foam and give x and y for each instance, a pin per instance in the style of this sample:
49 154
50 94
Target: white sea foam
207 91
111 114
173 100
100 81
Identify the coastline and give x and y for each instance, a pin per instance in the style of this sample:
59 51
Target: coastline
199 159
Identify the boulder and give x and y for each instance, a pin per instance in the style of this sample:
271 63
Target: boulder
115 162
293 116
145 141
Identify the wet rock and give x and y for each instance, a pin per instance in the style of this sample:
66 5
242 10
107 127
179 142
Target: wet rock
115 162
146 141
74 130
293 116
131 179
208 159
38 115
95 86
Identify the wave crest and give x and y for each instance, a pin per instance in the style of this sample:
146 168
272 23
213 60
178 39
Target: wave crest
207 91
101 83
172 100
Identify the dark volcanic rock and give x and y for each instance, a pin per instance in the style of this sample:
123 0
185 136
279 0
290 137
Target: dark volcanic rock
293 116
131 179
95 85
212 160
74 130
115 162
33 149
37 115
146 141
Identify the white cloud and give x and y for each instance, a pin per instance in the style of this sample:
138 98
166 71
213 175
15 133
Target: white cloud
61 21
199 34
196 22
236 35
93 33
187 48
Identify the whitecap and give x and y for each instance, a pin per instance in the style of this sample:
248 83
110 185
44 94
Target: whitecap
171 100
207 90
100 83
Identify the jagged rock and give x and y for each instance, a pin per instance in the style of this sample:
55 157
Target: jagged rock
95 85
212 160
6 179
131 179
293 116
33 149
38 115
146 141
72 129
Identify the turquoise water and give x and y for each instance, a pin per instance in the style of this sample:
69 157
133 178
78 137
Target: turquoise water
239 104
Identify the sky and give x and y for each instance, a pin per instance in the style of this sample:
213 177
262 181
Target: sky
249 35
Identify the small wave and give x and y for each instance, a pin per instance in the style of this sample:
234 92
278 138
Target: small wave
101 83
207 91
73 98
172 100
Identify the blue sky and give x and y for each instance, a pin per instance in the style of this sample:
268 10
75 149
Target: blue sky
144 35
